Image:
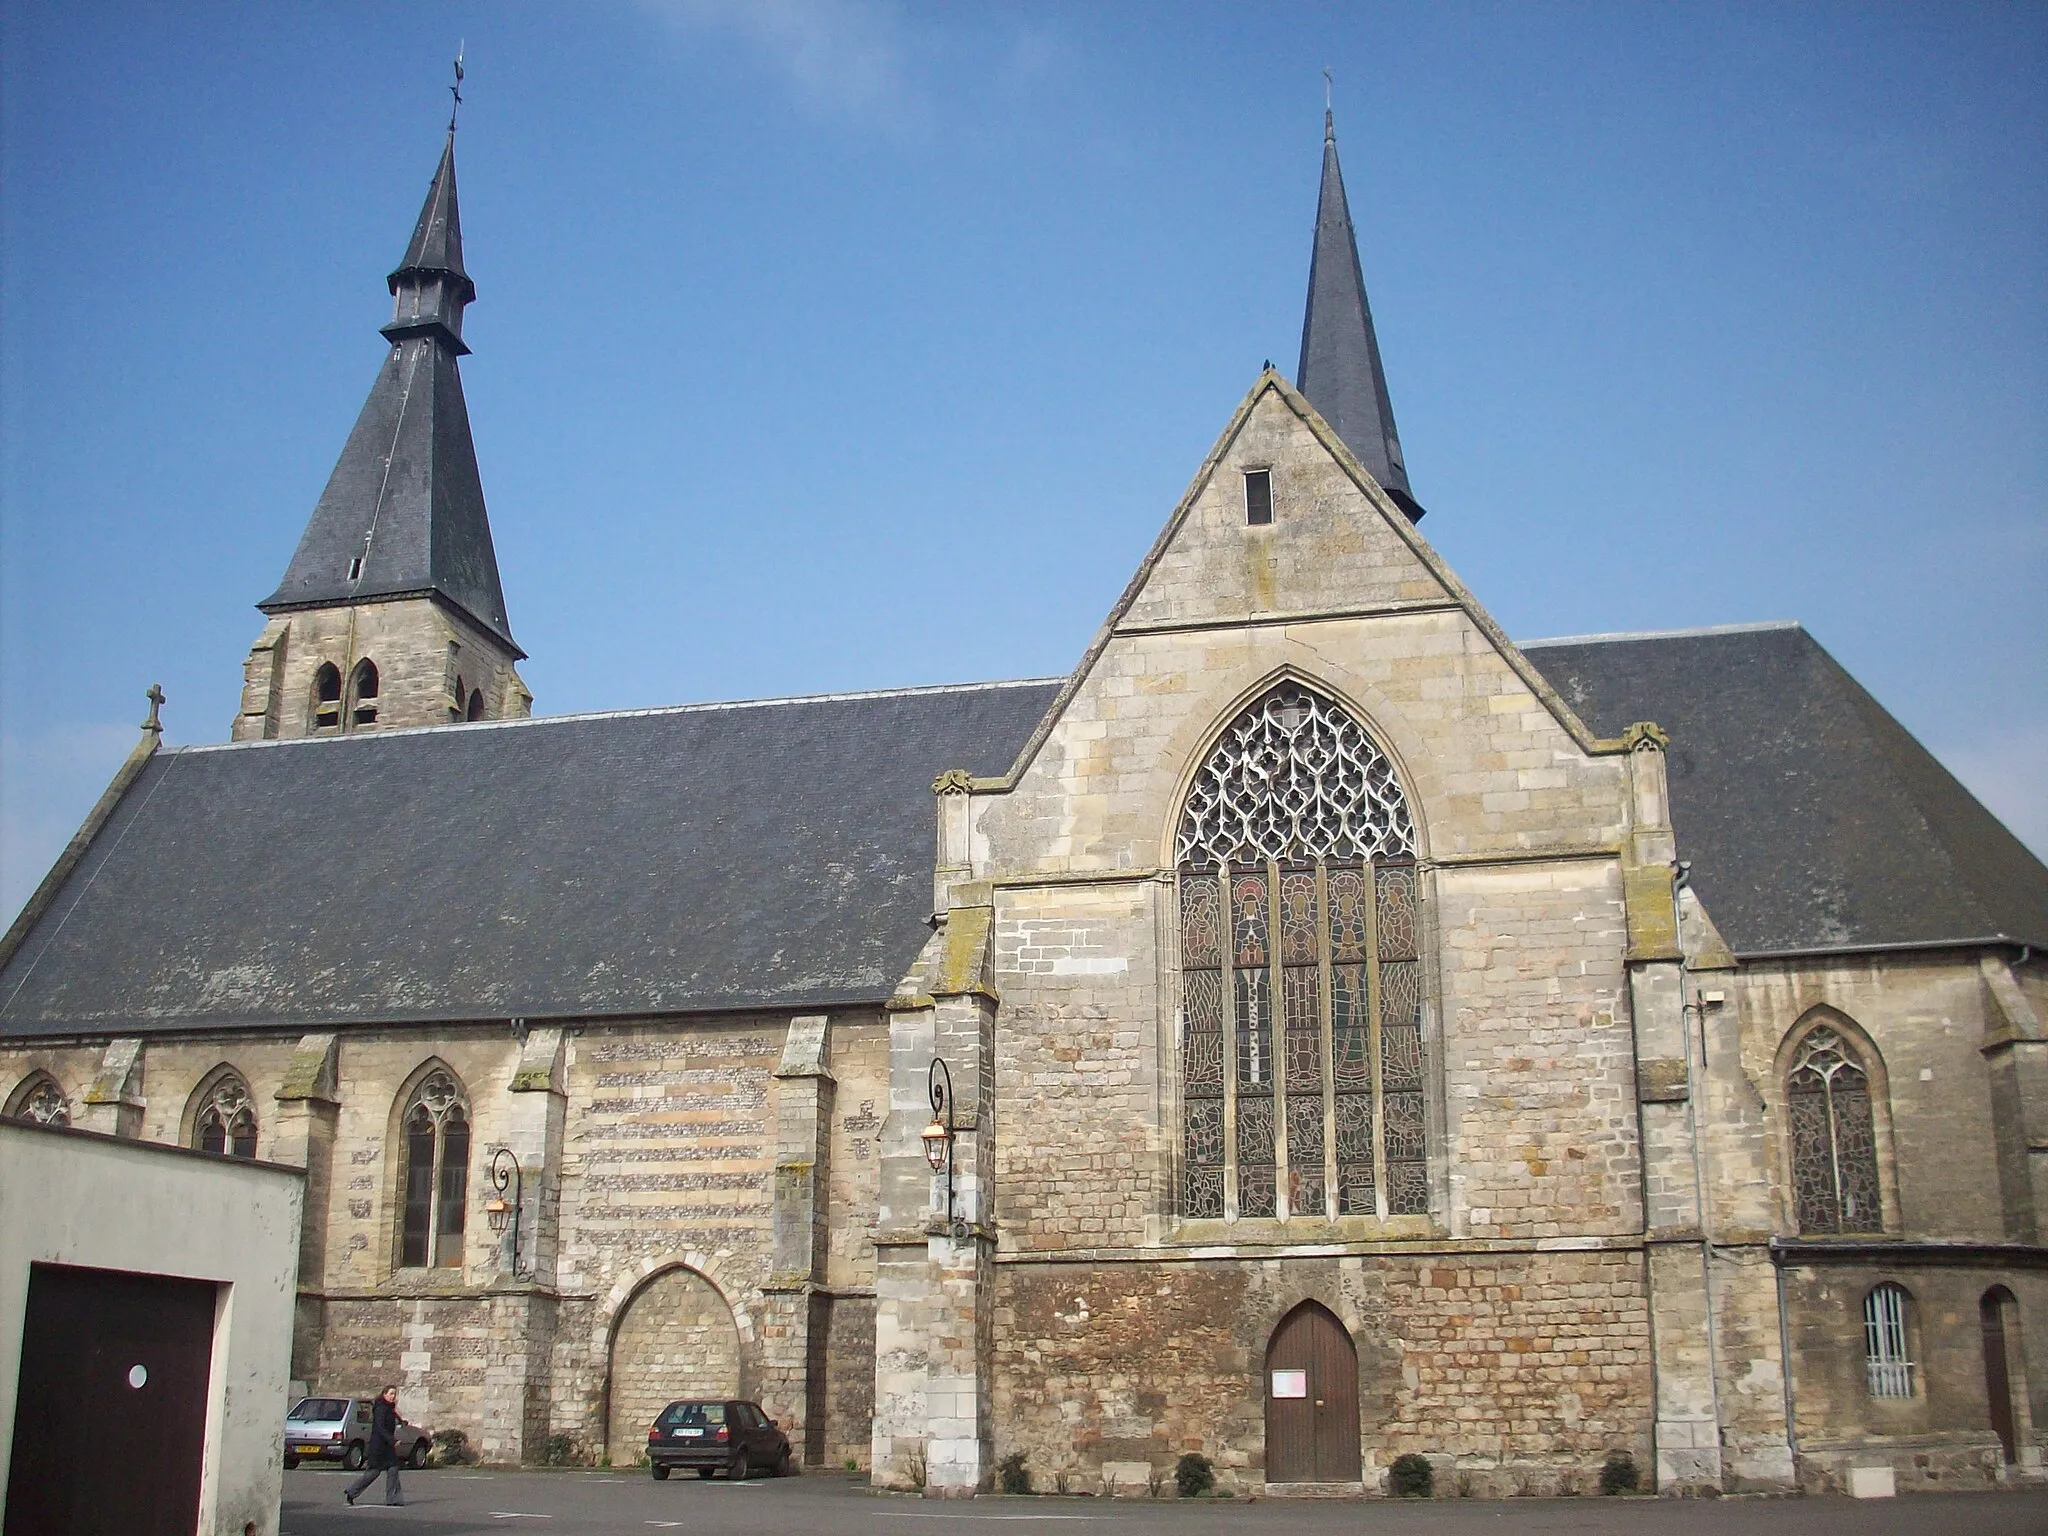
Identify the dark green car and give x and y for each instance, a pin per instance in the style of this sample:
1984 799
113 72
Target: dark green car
708 1435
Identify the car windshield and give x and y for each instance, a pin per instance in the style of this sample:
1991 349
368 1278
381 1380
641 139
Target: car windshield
677 1414
318 1410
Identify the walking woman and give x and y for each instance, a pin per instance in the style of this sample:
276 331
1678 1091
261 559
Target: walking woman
383 1450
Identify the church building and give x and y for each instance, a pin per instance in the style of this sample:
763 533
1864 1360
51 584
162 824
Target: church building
1317 1028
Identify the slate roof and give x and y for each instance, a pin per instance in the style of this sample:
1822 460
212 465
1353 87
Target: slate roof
1812 818
405 497
1340 370
773 854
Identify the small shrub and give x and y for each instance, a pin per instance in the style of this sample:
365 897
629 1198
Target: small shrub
451 1449
1013 1474
1059 1480
1618 1473
1193 1476
560 1451
1567 1485
1465 1485
1155 1480
917 1471
1411 1477
853 1463
1525 1485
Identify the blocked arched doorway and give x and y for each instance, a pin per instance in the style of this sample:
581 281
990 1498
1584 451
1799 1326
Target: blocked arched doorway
1998 1313
675 1338
1311 1399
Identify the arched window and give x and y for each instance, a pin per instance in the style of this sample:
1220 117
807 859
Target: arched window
476 704
362 689
39 1100
226 1118
327 697
1295 854
1887 1362
1834 1138
434 1179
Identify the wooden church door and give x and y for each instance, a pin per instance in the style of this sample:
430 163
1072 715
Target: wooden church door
1311 1400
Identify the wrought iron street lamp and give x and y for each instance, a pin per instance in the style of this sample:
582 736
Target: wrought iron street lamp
938 1136
506 1172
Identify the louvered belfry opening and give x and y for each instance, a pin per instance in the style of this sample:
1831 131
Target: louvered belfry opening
1300 953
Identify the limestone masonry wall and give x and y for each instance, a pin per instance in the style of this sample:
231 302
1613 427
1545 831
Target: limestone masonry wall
1505 1363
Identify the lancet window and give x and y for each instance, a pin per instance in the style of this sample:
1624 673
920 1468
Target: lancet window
434 1181
226 1118
40 1101
1834 1137
1302 1076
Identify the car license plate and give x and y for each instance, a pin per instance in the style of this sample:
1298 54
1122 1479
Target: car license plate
689 1434
308 1450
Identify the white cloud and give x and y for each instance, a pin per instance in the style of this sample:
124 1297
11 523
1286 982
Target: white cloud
843 58
49 780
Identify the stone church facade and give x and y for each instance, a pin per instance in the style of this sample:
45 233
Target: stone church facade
1360 1034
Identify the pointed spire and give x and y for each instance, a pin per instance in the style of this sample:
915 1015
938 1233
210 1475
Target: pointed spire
1340 369
430 288
403 513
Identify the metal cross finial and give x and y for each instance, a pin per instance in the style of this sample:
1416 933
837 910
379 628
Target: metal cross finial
455 90
1329 117
156 704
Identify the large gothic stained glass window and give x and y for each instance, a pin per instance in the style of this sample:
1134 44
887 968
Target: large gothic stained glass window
1299 948
1834 1137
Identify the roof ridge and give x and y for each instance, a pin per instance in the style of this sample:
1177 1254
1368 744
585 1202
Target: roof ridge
1662 634
384 733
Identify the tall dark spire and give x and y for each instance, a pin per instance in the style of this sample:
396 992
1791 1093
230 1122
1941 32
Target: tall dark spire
403 513
1340 369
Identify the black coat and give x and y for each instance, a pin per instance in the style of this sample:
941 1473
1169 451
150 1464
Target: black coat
383 1435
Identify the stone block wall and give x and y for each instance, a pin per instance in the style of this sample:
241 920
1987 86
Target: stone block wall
421 649
1926 1017
1502 1363
1941 1435
657 1183
1080 1152
1538 1065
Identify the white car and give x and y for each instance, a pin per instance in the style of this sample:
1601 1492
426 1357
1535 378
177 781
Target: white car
338 1429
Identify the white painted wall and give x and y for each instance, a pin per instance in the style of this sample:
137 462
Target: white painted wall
76 1197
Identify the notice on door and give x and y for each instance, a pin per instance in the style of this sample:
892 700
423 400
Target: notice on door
1290 1383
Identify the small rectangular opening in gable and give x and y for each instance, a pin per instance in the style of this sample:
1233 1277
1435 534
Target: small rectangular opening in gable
355 569
1258 497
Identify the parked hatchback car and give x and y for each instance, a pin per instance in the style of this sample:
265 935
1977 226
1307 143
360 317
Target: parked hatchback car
709 1434
338 1429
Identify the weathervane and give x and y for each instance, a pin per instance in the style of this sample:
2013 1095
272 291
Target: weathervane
455 90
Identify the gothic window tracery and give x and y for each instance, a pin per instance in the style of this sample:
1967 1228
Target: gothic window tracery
1299 946
226 1119
1834 1137
40 1101
434 1176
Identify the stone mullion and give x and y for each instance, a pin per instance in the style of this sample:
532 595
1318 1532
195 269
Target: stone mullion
1276 1009
1332 1195
1226 974
1371 903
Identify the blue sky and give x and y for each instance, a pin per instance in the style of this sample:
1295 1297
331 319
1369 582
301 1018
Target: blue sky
827 346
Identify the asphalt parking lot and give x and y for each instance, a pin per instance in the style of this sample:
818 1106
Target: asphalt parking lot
448 1502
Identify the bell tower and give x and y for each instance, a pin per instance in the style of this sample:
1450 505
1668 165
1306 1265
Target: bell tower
391 612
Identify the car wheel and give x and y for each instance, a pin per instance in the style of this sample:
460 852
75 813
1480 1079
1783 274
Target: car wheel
290 1462
418 1456
352 1458
660 1472
785 1464
739 1471
706 1471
